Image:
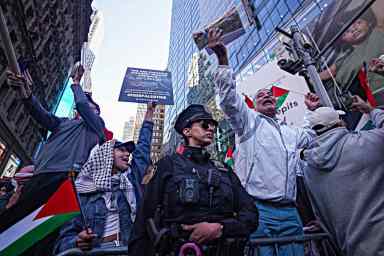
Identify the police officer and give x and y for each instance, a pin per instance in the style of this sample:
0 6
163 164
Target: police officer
192 198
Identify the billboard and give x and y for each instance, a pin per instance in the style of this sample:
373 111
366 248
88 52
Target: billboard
289 90
147 85
354 64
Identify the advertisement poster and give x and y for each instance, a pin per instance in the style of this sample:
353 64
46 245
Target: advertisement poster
355 60
146 85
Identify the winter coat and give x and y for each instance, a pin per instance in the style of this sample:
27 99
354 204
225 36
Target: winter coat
267 154
71 140
345 177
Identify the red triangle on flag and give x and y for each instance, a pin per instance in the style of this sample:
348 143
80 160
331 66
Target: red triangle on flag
229 152
108 134
363 78
277 91
249 101
63 201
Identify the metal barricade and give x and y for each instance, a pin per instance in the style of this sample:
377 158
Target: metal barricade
117 251
323 239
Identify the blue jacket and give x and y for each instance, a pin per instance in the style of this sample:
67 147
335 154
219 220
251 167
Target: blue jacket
93 204
71 140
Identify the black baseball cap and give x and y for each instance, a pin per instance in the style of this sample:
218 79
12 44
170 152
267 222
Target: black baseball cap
129 145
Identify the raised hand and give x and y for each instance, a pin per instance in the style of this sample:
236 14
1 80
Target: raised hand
77 73
312 101
359 105
19 83
150 110
215 42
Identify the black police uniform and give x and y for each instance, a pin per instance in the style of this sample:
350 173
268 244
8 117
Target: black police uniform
189 188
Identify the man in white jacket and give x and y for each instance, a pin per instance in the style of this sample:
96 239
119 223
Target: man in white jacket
268 154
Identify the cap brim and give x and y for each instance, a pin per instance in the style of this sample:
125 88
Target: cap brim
129 145
205 118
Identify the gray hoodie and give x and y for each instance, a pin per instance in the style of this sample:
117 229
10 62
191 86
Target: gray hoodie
345 179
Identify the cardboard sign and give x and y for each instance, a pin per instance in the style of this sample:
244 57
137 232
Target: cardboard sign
146 85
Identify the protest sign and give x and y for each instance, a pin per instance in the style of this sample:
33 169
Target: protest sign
146 85
230 24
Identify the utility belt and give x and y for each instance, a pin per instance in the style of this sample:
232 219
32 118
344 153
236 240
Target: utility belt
276 204
111 238
173 237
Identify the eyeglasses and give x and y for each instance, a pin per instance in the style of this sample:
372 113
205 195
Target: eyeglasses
205 124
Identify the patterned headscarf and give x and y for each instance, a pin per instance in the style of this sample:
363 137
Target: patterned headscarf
96 174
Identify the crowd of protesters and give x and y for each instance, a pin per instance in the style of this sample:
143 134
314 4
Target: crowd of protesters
188 199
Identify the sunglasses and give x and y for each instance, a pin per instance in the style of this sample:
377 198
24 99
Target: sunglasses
205 124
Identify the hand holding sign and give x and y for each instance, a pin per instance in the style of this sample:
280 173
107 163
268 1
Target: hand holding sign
151 106
215 42
77 73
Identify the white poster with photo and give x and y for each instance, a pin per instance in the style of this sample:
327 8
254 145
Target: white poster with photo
289 90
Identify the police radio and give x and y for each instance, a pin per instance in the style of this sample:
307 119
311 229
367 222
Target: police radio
189 191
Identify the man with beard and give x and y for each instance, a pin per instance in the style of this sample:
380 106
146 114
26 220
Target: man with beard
267 154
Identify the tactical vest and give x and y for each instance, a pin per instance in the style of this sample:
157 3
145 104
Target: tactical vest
195 193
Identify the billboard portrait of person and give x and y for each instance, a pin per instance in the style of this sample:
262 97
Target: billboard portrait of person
360 50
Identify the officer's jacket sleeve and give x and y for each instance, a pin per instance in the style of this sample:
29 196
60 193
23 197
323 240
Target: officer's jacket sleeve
247 215
140 243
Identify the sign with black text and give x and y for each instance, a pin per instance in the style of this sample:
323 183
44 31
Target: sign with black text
146 85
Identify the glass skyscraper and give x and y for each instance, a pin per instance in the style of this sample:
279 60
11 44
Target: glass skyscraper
247 54
185 20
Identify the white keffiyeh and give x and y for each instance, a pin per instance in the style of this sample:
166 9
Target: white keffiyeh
96 175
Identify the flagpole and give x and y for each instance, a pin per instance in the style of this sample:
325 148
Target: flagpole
7 44
72 175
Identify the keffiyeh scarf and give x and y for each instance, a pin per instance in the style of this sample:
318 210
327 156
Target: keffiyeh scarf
96 175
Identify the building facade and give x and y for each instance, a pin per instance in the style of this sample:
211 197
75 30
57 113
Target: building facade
47 38
247 54
158 129
88 58
90 48
128 130
65 107
184 21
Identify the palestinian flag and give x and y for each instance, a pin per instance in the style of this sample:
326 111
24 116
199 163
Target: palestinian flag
108 134
229 158
30 228
363 78
281 95
249 101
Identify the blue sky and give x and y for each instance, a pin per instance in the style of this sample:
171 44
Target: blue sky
136 34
